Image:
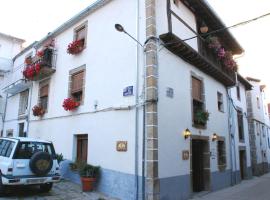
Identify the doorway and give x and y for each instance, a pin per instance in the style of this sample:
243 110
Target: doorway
200 165
82 148
243 164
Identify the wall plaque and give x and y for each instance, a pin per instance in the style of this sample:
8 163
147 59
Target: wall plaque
121 146
185 154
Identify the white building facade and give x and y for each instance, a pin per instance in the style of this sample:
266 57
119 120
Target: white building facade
133 101
258 128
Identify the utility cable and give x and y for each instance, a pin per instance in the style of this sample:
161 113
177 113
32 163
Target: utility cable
223 29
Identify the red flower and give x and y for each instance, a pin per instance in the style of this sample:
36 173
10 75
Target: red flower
75 47
38 110
70 104
40 53
30 71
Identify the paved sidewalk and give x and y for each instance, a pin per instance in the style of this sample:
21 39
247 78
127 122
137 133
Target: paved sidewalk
64 190
257 188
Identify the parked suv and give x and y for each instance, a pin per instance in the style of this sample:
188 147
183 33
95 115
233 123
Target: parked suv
25 161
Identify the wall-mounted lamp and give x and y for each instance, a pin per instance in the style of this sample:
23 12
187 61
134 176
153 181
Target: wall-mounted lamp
187 133
203 28
214 137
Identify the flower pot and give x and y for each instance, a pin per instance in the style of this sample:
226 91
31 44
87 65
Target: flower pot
87 184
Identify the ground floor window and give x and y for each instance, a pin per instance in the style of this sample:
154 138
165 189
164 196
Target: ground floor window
82 147
221 147
22 133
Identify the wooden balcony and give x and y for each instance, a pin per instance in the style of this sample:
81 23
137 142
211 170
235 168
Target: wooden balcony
205 62
47 64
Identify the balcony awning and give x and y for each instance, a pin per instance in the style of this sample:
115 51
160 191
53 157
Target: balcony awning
17 87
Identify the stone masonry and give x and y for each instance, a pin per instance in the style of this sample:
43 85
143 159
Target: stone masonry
151 96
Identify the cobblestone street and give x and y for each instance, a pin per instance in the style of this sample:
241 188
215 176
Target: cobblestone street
64 190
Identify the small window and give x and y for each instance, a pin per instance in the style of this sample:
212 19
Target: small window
77 86
258 103
44 95
240 125
199 113
258 128
23 104
220 102
21 130
238 93
80 33
221 155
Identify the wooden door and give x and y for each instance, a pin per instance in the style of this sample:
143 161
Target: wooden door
82 147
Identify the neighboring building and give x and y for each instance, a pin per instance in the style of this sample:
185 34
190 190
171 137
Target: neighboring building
241 162
258 128
9 47
135 103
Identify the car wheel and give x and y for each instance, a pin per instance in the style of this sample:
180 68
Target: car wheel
2 187
41 163
45 187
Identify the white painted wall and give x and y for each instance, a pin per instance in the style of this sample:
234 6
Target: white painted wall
9 47
242 105
110 60
175 115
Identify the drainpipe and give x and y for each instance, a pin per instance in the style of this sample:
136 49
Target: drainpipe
231 138
151 98
29 109
136 162
4 114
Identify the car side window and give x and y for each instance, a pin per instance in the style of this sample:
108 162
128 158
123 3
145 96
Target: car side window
6 147
10 148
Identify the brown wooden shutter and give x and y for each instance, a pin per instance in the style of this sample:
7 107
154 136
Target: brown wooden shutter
82 147
77 82
196 89
44 91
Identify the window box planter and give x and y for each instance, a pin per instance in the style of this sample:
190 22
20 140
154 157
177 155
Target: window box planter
201 117
69 104
75 47
38 111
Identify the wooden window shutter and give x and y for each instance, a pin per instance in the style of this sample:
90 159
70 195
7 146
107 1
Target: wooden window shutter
196 89
44 91
77 82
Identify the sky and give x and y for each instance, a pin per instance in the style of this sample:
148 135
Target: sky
33 19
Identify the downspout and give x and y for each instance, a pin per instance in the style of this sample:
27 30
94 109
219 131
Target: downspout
4 114
29 108
136 162
231 138
231 131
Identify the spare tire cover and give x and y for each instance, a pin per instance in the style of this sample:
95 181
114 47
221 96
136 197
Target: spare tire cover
41 163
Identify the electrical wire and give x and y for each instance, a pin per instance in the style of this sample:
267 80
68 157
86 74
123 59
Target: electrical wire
222 29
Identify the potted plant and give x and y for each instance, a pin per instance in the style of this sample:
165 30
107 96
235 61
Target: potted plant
75 47
38 111
31 71
201 117
70 104
89 175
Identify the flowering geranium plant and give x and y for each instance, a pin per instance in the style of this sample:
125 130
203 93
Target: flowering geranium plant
75 47
226 57
38 111
31 71
40 53
70 104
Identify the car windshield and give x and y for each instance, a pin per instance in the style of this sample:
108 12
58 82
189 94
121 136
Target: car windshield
25 150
